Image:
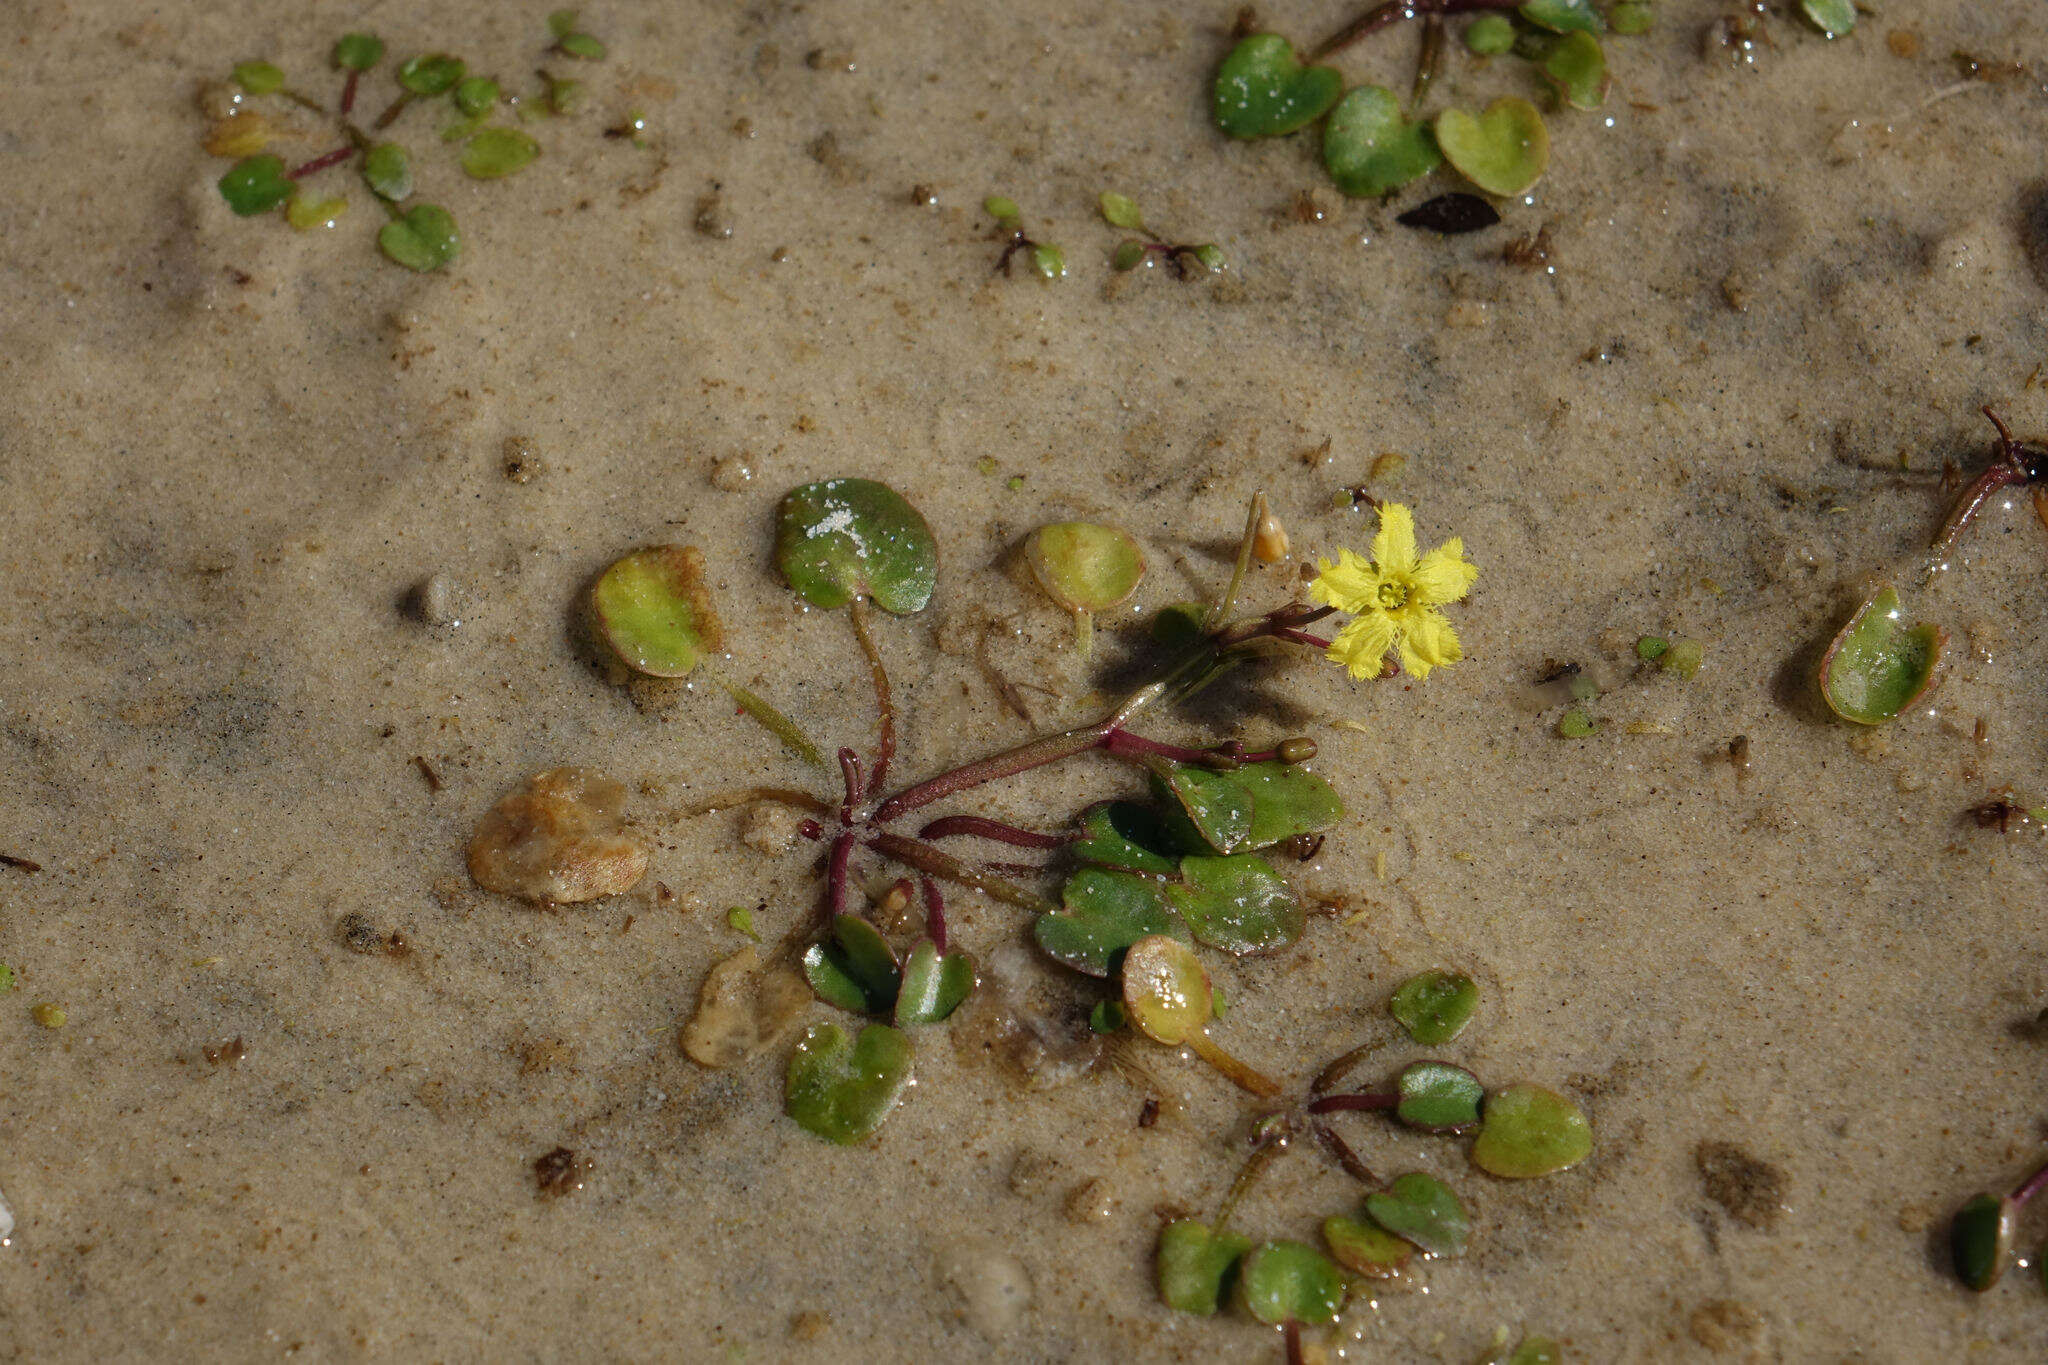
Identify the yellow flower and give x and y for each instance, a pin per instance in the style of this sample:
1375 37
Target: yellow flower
1394 598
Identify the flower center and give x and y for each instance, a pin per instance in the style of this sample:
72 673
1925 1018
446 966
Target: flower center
1393 594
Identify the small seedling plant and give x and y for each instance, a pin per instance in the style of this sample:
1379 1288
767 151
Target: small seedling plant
1147 886
479 113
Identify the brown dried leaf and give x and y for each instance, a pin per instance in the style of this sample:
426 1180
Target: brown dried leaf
557 841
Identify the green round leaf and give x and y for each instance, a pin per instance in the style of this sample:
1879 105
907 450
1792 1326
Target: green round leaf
358 51
1537 1351
1370 149
1287 800
855 970
1367 1249
1490 35
1106 912
842 1089
1210 255
424 239
652 609
259 78
475 94
1632 17
1120 210
1290 1282
1194 1264
1530 1131
1204 808
1877 667
1127 835
564 97
1083 566
1979 1239
1836 18
305 213
1166 992
581 46
1130 254
387 169
1437 1097
432 73
1564 16
496 153
255 184
1048 260
1422 1209
1003 210
1262 91
1108 1016
1435 1006
1239 904
1578 68
561 23
1179 624
841 538
933 986
1503 151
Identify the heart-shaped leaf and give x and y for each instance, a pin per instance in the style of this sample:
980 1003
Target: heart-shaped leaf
1127 835
476 94
1290 1282
1423 1210
1979 1239
842 538
1287 800
1084 566
856 970
1503 151
1106 912
1530 1131
255 184
431 73
1434 1006
1367 1249
1877 667
1369 149
841 1089
652 609
1239 904
933 986
1437 1097
1262 91
1836 18
496 153
1578 68
1194 1263
1204 808
424 239
387 170
1166 992
1490 35
1564 16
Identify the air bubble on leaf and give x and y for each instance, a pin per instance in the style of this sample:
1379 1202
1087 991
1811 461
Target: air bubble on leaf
1529 1131
1836 18
1048 260
842 538
652 609
1367 1249
306 213
1166 992
254 185
841 1089
1105 913
1205 809
1287 801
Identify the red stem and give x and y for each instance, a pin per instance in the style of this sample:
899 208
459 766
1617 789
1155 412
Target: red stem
1394 12
975 826
2002 474
2028 1188
321 163
849 772
836 878
885 742
348 92
1291 1330
1364 1100
1299 637
938 863
934 913
1341 1150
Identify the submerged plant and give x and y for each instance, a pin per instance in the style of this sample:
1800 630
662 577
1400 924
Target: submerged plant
1980 1235
1121 211
422 237
1047 260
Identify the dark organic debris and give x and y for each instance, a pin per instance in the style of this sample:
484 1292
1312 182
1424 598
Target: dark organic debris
1450 214
1752 1191
560 1172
